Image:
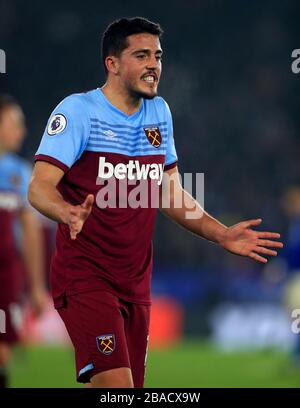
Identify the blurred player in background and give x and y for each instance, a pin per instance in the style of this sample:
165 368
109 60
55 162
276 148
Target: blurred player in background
291 254
101 269
17 252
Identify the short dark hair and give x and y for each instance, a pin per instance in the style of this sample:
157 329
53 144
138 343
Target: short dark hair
6 101
114 39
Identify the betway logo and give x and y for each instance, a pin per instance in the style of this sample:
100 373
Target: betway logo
132 171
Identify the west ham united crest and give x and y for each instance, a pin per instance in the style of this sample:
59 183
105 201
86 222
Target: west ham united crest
153 136
106 343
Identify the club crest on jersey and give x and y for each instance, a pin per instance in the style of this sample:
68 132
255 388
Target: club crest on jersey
57 124
106 343
153 136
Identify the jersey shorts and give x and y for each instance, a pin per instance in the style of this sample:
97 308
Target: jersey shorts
107 333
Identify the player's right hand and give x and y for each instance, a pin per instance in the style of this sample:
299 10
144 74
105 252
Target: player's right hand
78 215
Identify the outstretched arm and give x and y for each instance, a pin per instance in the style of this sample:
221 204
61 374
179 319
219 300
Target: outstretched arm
44 196
240 239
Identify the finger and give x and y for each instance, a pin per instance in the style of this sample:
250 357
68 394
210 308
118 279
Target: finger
74 211
73 232
88 202
73 235
266 234
266 251
257 257
251 223
73 218
269 243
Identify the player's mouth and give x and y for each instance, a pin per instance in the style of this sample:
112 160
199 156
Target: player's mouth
150 78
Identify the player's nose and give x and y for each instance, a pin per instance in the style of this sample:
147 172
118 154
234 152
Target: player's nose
153 63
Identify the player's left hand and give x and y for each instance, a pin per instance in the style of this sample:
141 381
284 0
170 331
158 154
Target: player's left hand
240 239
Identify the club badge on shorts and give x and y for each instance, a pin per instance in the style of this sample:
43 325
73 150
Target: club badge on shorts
106 343
153 136
57 124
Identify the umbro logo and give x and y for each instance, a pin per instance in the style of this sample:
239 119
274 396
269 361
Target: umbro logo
109 133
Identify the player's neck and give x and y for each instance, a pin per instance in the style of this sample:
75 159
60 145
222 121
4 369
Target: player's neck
121 100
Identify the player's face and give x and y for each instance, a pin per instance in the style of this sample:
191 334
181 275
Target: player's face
12 128
140 65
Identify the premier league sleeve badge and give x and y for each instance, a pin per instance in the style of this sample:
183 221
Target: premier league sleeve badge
57 124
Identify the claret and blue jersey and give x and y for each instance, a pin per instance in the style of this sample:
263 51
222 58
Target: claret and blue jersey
90 139
15 174
88 122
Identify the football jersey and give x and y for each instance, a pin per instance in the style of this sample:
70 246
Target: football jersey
118 158
15 174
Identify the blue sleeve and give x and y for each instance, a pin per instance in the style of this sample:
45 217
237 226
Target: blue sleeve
66 133
171 155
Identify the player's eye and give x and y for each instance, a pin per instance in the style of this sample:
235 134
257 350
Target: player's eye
141 56
159 57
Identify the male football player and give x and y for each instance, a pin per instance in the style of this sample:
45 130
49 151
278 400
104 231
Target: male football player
119 137
16 215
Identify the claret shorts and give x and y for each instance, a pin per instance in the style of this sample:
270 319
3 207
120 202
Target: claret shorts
107 333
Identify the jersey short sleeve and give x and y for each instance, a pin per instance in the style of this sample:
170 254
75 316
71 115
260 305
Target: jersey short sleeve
171 155
66 133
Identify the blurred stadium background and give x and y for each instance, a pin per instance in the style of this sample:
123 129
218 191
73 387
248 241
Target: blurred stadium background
218 320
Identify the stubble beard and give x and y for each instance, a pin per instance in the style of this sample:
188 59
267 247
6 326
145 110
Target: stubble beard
136 94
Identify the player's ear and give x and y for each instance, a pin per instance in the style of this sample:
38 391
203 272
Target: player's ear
112 64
